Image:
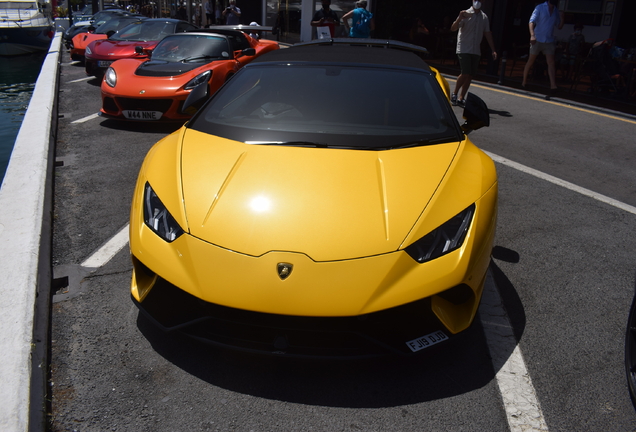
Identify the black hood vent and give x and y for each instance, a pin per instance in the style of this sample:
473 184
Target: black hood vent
165 69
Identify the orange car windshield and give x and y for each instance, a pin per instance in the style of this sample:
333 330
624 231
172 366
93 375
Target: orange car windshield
145 31
191 48
115 24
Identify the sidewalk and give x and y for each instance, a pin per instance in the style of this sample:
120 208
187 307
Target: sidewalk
580 91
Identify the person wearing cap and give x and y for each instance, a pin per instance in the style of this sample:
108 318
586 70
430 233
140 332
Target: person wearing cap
362 22
255 34
544 19
473 26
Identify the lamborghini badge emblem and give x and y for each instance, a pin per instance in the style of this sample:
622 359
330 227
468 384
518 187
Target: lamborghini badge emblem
284 270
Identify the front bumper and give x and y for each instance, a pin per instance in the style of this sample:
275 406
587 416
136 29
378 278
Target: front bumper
93 69
371 335
169 108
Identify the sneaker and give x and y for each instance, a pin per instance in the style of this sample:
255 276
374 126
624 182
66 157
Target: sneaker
453 99
461 103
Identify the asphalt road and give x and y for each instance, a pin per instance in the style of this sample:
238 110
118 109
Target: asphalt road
564 266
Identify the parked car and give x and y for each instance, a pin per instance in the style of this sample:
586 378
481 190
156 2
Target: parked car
104 31
155 88
89 24
325 202
133 41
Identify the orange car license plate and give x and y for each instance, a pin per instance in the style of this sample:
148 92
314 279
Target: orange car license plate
142 115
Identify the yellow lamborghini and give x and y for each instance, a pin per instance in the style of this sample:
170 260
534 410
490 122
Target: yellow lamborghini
325 202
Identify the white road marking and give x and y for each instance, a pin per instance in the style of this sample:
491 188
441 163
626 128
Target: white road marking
81 79
563 183
105 253
519 397
85 119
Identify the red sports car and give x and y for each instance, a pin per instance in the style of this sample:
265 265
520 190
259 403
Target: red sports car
110 27
135 40
156 88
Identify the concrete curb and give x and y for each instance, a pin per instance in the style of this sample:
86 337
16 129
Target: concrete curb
25 248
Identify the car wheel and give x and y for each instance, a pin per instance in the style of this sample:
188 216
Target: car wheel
630 352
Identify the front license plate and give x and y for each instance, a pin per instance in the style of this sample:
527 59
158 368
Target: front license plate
142 115
101 63
427 341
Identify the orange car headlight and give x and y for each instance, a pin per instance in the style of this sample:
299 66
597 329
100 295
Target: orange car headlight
111 77
199 79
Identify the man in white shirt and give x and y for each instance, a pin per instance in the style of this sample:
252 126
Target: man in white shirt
473 26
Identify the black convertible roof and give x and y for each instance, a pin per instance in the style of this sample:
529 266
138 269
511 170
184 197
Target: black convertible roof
361 51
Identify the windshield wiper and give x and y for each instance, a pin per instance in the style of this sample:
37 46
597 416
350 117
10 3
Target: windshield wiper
201 57
349 147
289 143
423 142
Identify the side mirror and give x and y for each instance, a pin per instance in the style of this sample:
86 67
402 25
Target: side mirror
195 100
245 52
112 32
142 51
475 114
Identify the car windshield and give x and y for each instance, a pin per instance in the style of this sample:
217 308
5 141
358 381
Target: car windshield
145 31
115 24
358 107
191 48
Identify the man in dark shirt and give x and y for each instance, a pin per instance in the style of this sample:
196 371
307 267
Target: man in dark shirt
326 17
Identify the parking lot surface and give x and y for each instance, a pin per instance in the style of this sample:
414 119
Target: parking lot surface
547 347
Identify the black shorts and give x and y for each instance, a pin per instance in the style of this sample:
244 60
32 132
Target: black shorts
468 63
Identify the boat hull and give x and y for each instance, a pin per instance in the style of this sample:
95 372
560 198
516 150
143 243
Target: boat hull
24 40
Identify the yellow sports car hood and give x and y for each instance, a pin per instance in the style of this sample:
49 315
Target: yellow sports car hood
329 204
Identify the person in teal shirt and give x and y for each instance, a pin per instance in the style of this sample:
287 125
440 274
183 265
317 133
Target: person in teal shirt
361 21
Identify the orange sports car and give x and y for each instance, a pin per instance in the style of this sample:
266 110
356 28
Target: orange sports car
155 88
104 31
135 40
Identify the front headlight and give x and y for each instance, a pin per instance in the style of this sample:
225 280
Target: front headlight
110 77
199 79
444 239
157 217
88 51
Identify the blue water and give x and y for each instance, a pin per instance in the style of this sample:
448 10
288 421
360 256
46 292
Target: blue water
17 79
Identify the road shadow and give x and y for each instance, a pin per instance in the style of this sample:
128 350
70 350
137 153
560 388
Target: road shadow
95 81
447 370
500 113
459 367
509 297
